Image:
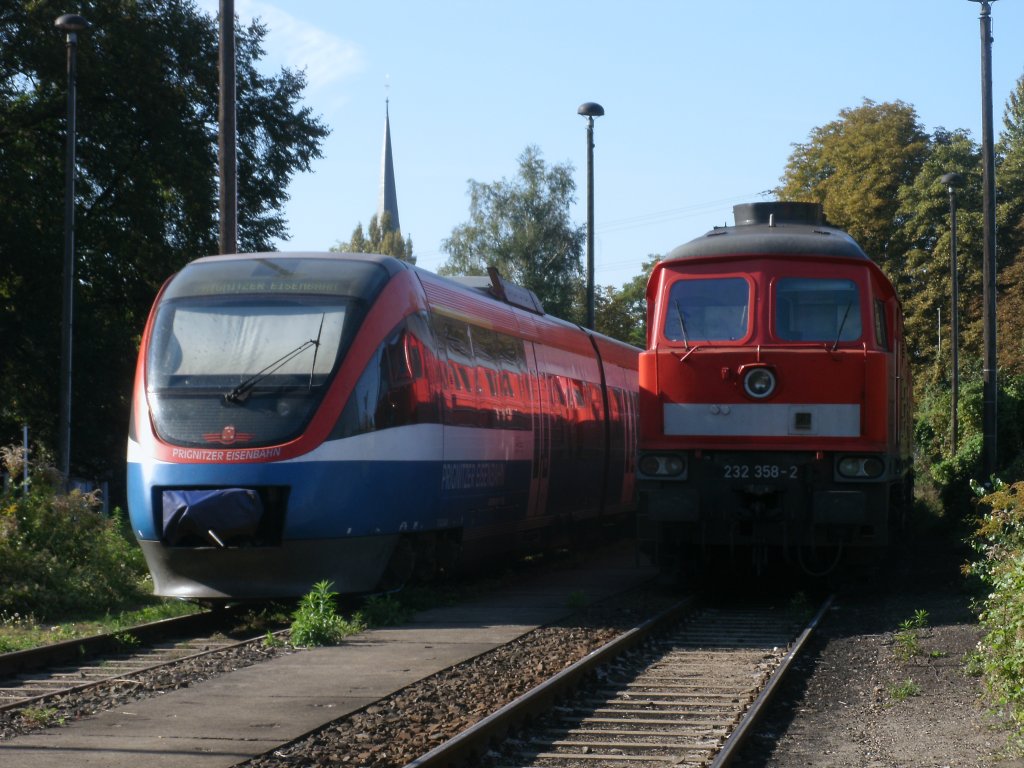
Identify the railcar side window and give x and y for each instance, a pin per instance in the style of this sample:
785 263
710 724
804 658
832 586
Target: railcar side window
817 309
708 309
393 390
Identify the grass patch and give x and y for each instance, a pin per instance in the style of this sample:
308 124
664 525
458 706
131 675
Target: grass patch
270 640
904 690
385 611
19 633
41 716
908 639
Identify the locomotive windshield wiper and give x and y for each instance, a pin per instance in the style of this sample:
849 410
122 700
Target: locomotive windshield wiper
839 333
241 393
682 323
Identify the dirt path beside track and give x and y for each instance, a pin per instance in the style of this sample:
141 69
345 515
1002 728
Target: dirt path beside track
860 699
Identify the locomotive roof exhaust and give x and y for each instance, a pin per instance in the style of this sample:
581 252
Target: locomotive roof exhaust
775 213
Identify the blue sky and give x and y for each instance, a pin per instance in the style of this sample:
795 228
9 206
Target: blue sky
703 100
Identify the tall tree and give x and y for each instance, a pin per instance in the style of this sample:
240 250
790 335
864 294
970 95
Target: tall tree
1010 223
523 228
1010 175
855 166
382 239
924 283
622 312
146 202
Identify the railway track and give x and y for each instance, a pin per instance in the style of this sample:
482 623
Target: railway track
31 677
686 696
652 686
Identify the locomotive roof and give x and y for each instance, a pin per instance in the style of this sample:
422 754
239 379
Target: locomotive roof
773 229
771 240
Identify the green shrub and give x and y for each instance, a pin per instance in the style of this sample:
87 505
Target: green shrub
316 621
904 690
59 555
384 611
999 540
908 640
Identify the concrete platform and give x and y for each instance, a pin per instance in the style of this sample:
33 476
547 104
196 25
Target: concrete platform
231 718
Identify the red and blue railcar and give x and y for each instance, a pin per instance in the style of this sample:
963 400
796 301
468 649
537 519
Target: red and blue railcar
775 411
356 419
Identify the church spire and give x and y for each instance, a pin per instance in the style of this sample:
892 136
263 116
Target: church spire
388 200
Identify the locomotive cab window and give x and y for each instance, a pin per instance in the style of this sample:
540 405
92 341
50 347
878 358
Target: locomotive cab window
881 325
817 309
707 309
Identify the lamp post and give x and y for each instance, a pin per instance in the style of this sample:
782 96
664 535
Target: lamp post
590 110
71 24
226 141
952 181
988 315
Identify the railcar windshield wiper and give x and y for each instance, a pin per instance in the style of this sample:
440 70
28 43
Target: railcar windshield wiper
241 393
312 368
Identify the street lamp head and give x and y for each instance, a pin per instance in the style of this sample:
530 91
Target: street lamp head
71 22
590 109
952 179
986 7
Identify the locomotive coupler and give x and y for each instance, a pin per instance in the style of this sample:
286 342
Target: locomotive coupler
759 502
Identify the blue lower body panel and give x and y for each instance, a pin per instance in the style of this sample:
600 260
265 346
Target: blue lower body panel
338 521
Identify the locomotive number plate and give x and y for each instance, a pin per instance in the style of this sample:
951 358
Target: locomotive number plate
760 471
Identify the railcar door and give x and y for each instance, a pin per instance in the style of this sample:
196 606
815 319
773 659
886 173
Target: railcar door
540 415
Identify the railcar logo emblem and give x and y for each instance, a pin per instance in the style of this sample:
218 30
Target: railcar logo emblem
228 436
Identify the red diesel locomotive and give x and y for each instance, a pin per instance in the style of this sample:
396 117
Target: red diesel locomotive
774 396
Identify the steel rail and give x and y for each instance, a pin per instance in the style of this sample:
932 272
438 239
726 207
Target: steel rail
101 644
756 710
82 648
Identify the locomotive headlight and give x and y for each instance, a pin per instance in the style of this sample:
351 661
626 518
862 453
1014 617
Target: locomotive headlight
860 467
759 382
661 465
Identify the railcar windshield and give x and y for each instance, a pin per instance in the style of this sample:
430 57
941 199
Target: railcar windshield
222 342
708 309
241 351
817 309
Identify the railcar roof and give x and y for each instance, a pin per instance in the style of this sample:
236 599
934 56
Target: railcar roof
797 240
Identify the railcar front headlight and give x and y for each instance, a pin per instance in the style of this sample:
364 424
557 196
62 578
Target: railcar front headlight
861 467
759 382
662 465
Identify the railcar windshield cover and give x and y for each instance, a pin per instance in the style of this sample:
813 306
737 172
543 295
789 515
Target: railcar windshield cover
241 350
708 309
211 343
